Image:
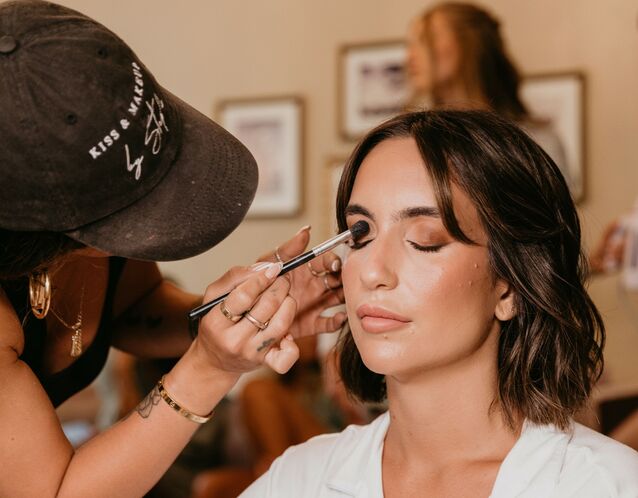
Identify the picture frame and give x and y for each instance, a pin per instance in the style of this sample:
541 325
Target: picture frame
332 175
372 85
559 98
272 128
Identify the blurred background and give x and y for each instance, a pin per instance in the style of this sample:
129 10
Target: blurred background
221 55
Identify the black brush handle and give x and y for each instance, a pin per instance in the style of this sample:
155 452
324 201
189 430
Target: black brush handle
201 310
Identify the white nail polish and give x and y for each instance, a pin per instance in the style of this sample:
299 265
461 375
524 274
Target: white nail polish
260 265
274 269
336 264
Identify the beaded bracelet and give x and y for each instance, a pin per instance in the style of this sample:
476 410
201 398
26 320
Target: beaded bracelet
179 409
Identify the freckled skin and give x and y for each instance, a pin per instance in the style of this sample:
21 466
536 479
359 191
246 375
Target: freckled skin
450 316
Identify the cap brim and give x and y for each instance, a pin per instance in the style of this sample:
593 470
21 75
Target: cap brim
201 199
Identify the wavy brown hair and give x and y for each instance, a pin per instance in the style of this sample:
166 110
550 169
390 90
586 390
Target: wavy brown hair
486 67
550 353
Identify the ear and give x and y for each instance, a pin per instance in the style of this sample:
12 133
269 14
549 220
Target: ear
505 306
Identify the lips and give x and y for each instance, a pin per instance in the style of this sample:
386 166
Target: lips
375 319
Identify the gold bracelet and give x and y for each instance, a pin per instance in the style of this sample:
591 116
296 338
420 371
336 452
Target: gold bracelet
175 406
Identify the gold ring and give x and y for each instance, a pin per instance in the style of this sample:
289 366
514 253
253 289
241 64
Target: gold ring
227 313
277 255
255 322
316 273
327 285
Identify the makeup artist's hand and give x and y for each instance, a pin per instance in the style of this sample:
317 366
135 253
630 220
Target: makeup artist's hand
313 293
238 342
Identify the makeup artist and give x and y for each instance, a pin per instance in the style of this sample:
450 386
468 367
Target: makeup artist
103 172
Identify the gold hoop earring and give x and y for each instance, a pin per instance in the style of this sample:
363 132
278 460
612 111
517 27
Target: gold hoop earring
40 293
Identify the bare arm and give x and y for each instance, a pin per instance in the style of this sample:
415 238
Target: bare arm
126 460
151 313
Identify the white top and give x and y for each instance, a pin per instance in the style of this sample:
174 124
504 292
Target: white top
544 463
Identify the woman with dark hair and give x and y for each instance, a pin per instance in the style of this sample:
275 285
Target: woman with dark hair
467 310
102 173
457 59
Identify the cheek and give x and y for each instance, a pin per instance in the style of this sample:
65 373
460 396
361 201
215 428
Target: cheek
446 54
455 316
422 60
452 301
350 271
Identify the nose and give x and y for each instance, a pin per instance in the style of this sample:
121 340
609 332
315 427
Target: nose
378 269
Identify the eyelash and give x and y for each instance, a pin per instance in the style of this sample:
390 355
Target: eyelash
360 245
421 248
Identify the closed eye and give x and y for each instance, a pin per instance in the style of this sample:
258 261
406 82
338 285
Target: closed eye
358 245
419 247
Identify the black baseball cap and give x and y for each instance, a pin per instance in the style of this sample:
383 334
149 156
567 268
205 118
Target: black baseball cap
92 146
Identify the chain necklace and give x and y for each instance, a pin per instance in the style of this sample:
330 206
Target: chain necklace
76 338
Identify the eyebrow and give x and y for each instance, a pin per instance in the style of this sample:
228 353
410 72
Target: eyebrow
407 213
352 209
414 212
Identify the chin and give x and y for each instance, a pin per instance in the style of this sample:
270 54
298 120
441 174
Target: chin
382 356
403 359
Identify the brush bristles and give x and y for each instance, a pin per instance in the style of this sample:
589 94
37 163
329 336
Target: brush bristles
359 229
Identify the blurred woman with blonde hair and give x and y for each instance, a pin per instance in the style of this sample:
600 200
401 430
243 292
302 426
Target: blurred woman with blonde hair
457 59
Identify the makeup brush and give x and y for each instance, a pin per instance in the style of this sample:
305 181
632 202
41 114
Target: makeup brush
358 230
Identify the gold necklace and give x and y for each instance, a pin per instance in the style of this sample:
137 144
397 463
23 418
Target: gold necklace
76 338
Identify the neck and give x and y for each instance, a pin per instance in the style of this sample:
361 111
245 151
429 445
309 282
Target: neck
447 414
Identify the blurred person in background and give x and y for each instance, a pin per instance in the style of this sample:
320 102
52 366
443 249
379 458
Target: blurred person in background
610 256
457 59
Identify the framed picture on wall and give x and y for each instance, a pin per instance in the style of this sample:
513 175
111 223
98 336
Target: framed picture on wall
372 85
557 101
272 129
332 176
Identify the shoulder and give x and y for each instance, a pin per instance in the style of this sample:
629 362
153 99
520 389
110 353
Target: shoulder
305 469
596 462
11 335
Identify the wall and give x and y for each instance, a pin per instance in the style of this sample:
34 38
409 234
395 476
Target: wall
208 50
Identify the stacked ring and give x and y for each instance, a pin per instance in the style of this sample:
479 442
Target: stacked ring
257 323
314 272
278 256
227 313
326 284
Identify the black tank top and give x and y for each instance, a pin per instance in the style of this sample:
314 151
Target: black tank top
61 385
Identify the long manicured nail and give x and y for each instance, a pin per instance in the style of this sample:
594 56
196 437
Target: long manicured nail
336 265
274 269
306 227
260 265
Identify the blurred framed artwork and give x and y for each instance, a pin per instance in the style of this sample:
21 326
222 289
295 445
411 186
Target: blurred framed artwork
372 85
558 99
332 176
272 128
